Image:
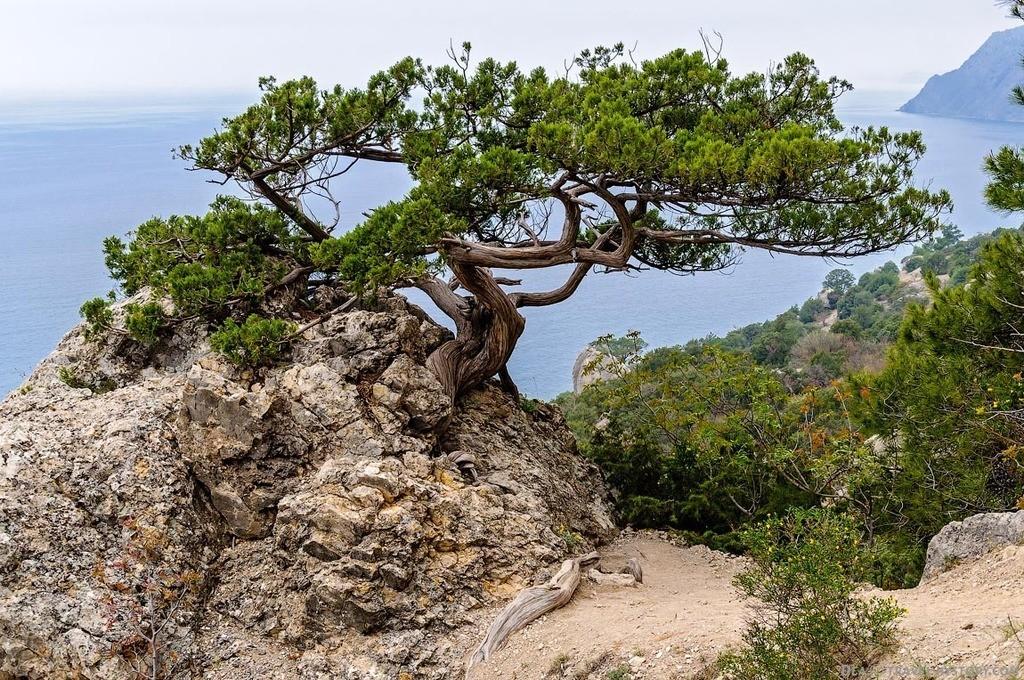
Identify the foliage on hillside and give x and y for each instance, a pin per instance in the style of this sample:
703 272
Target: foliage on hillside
711 437
952 393
683 435
865 313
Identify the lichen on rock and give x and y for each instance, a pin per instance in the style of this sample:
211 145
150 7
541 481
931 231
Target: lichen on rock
328 532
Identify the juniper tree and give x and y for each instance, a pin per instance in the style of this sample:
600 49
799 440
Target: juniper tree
672 164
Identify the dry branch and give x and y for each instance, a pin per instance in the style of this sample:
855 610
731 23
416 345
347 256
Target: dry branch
530 604
633 567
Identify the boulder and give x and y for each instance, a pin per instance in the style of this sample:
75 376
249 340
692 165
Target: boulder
593 366
971 538
305 520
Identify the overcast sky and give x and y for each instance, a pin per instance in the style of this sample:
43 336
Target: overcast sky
80 48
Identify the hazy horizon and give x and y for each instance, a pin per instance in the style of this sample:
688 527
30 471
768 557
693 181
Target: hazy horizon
62 50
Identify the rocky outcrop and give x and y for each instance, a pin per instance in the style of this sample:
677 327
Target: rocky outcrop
300 522
593 366
971 538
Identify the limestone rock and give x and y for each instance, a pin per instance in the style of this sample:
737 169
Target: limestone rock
592 366
308 515
973 537
616 580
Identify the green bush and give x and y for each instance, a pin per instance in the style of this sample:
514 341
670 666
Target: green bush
620 672
204 263
809 622
74 378
255 342
776 340
810 310
849 328
98 317
144 321
230 262
950 396
685 438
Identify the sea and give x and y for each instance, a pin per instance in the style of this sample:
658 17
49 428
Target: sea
73 173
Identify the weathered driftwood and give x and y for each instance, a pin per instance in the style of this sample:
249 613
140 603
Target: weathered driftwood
633 567
530 604
466 463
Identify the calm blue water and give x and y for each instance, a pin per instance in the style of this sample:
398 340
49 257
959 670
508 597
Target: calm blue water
70 176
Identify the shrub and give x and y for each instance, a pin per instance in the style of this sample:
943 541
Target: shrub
143 322
620 672
558 666
69 376
819 357
230 262
849 328
810 310
75 379
528 405
204 263
255 342
573 540
883 282
952 395
98 317
776 340
145 604
809 623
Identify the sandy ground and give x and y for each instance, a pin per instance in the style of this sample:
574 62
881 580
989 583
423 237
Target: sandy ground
965 623
686 612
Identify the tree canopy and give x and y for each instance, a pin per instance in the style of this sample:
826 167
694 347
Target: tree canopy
1006 166
673 164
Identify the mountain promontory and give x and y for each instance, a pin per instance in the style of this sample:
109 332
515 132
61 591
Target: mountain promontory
981 87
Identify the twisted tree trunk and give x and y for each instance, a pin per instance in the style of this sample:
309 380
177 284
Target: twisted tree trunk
487 323
487 326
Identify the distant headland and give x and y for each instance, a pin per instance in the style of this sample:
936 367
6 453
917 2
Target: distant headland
981 87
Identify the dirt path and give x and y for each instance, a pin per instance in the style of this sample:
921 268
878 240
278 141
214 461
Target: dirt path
962 623
687 612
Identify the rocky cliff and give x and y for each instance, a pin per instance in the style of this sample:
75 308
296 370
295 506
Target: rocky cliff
306 521
593 366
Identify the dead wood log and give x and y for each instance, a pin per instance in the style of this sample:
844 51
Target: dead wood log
633 567
530 604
